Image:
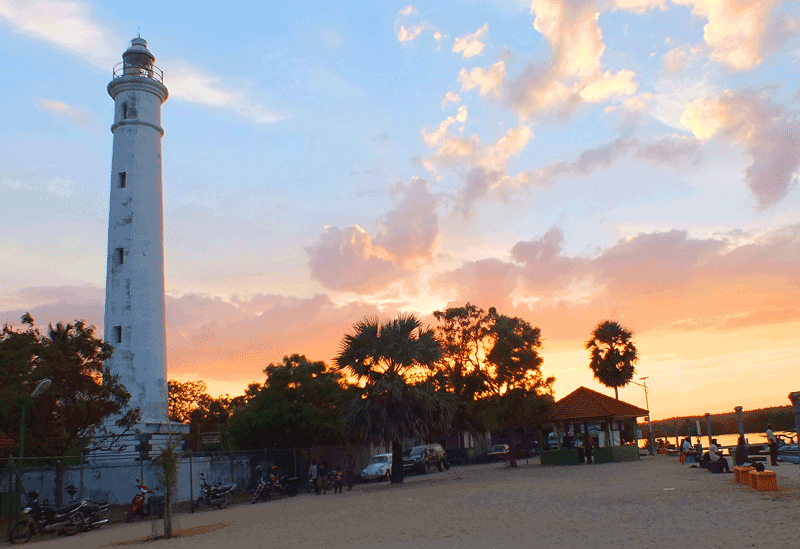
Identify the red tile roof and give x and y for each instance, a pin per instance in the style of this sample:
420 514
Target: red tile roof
585 404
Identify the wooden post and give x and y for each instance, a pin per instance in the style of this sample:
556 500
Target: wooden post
708 428
81 493
795 398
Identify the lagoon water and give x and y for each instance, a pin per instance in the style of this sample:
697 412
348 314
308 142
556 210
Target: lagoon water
724 440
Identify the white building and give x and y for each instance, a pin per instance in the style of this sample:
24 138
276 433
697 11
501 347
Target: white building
134 309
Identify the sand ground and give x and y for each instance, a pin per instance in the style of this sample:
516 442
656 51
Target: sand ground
652 503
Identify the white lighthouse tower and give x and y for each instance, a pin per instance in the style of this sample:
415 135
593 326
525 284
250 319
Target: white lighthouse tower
134 315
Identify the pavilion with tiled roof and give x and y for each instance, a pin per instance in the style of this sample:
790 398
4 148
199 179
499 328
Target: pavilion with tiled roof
584 405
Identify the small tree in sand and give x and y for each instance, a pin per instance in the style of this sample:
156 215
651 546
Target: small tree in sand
167 473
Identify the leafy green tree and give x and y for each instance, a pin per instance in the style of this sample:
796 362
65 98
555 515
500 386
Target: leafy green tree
491 364
82 395
613 355
184 398
463 371
298 406
393 362
519 393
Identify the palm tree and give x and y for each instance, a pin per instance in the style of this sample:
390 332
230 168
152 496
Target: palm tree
613 355
393 360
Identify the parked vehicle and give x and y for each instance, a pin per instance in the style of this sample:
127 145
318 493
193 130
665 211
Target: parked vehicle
154 505
40 517
426 458
263 491
286 486
498 452
378 468
218 495
95 512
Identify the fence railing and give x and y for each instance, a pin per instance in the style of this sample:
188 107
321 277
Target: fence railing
113 476
151 71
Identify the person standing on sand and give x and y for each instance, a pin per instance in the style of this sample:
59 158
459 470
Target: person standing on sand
687 449
350 466
322 478
588 446
337 487
773 446
312 473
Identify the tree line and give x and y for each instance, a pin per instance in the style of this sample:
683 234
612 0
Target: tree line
392 380
754 421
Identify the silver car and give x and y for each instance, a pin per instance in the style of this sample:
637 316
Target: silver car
380 467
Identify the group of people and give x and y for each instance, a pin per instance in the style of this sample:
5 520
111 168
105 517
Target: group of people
714 454
318 472
713 457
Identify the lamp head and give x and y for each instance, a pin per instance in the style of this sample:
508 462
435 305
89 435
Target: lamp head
42 387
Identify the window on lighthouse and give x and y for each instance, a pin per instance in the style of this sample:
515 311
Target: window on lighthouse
120 256
123 180
124 109
118 334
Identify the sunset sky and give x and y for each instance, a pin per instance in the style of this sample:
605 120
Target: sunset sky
565 161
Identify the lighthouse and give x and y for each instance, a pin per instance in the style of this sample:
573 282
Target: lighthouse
135 321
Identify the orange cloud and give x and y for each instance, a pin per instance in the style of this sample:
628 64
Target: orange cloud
488 81
735 30
350 260
574 72
470 45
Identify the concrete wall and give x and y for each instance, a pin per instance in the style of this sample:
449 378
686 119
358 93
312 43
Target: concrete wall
117 483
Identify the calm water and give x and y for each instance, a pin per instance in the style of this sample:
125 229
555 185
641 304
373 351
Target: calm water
724 440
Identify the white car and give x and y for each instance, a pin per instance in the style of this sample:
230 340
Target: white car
380 467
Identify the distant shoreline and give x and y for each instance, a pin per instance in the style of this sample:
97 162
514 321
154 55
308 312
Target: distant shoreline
754 421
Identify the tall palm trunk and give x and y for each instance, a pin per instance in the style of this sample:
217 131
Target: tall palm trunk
397 462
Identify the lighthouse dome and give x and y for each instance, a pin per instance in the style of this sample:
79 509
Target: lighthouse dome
138 55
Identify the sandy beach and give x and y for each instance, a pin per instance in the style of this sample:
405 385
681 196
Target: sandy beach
652 503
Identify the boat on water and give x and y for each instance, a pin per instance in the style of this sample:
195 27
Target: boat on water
789 453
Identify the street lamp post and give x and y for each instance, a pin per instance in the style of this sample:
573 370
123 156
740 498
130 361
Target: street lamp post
40 388
647 403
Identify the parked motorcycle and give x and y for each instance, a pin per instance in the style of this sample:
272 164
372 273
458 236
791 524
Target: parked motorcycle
221 496
95 512
264 489
39 517
141 508
286 486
